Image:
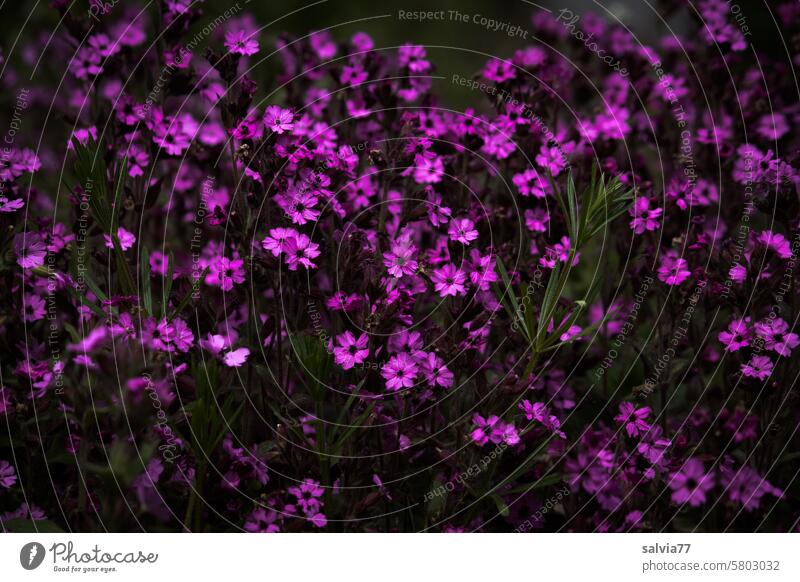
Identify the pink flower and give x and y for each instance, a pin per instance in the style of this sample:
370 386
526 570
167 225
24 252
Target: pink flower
400 372
308 494
633 418
673 270
777 337
559 252
240 42
529 183
300 208
169 134
536 220
276 241
462 230
495 430
737 335
400 260
449 280
236 358
777 242
167 337
33 307
428 170
224 272
30 249
437 214
482 269
436 372
299 251
278 120
8 475
759 367
7 205
159 263
350 351
485 427
691 483
644 218
539 412
126 239
498 70
738 273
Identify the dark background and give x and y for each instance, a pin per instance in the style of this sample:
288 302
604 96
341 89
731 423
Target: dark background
450 44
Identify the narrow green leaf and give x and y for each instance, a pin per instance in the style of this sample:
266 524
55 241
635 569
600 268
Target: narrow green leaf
147 291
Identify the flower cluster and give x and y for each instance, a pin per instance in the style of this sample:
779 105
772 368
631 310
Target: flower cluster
239 301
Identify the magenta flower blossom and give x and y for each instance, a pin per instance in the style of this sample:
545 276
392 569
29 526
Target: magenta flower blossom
341 301
498 70
30 249
159 263
759 367
482 270
633 419
538 412
349 350
167 336
737 336
299 207
126 239
262 520
673 269
86 63
776 242
236 358
308 495
169 134
485 428
449 280
8 475
462 230
299 250
413 57
7 205
241 42
406 341
691 483
278 120
400 259
738 273
494 430
33 308
644 218
537 220
529 183
559 252
428 170
745 486
435 371
437 214
777 337
276 241
224 273
400 372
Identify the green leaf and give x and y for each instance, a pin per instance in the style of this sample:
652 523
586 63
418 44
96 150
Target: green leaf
167 287
188 296
147 292
23 525
502 508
